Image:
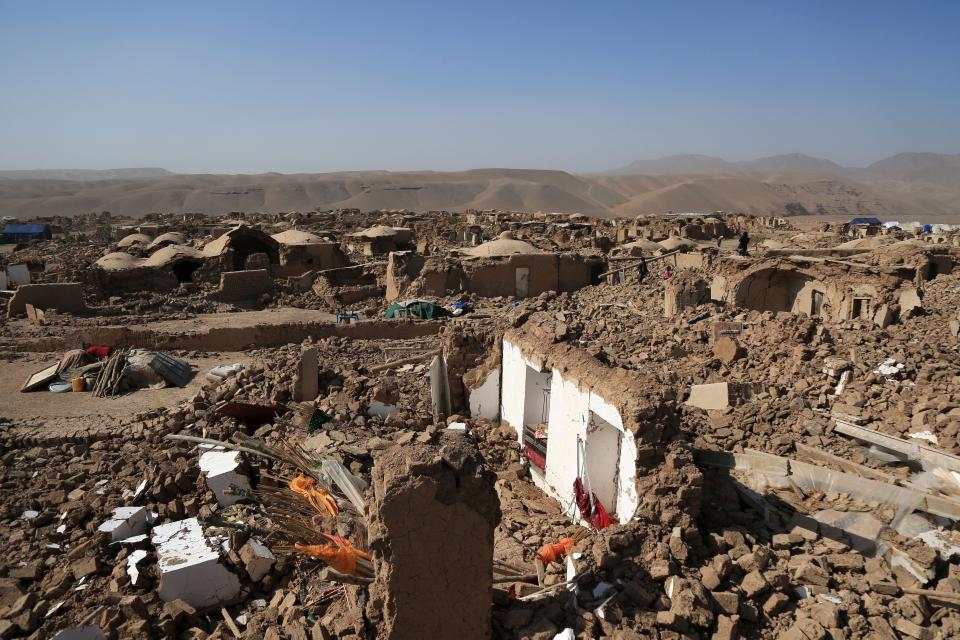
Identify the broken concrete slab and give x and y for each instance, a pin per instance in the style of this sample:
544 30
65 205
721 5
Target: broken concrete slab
190 567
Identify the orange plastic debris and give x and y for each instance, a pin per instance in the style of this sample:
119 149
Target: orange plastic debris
552 552
340 558
319 499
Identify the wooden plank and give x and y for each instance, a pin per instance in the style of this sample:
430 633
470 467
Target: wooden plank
864 488
819 455
927 456
809 476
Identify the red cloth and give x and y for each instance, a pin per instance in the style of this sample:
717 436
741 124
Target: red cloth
597 515
535 457
99 352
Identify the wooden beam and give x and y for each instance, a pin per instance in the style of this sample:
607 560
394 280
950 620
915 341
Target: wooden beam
410 360
819 455
809 476
926 456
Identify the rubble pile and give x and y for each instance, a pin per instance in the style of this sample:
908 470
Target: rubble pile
615 428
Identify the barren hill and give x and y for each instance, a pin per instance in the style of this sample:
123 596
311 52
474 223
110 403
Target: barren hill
904 185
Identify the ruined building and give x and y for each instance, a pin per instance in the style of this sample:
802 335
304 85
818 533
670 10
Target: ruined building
502 267
301 251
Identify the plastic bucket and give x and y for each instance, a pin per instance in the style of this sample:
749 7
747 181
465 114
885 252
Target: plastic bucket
78 384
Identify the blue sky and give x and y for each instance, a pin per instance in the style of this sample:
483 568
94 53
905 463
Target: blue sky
315 86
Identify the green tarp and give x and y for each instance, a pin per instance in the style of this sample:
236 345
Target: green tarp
416 309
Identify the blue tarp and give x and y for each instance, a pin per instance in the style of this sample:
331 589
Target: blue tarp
25 232
864 221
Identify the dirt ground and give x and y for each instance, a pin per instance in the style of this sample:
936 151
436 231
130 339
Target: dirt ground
69 411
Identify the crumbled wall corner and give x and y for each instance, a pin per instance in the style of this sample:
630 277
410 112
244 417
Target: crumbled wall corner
432 517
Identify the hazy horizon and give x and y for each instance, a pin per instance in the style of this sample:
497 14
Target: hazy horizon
302 87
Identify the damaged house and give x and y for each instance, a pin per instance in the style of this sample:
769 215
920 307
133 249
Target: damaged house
502 267
380 240
577 419
164 270
834 289
301 251
242 248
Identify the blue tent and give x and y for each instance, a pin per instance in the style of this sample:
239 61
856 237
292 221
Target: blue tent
857 221
13 233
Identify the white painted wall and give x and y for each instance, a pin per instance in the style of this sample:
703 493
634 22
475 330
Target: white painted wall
569 417
485 399
513 382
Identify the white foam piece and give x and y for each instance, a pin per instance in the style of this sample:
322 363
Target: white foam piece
190 566
221 470
125 522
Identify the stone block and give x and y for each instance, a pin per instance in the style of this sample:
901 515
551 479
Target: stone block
306 385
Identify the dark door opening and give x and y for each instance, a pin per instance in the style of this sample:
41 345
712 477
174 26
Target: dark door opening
816 303
184 269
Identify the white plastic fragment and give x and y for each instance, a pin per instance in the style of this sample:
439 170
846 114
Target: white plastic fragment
221 469
125 522
889 367
136 493
381 409
601 589
925 435
30 514
190 566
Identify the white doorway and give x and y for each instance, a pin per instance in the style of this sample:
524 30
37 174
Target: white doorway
536 396
602 454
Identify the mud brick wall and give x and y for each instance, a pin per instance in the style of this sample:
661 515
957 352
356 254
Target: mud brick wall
433 514
66 297
243 285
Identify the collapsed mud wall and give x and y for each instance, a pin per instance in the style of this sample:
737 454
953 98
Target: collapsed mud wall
237 338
